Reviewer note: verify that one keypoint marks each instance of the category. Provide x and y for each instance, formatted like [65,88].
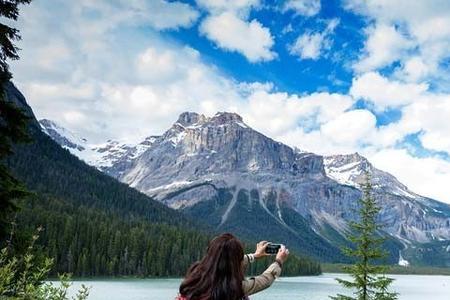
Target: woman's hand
[282,254]
[261,249]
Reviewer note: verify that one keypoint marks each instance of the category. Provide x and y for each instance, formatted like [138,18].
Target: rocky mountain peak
[347,169]
[46,123]
[190,118]
[62,136]
[226,117]
[187,119]
[346,160]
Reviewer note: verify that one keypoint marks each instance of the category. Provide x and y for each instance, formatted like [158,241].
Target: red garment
[184,298]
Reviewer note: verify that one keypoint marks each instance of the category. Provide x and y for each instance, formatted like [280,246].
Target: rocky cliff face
[219,169]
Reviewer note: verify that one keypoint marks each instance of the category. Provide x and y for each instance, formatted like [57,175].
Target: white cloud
[416,69]
[74,118]
[162,14]
[159,14]
[402,25]
[425,176]
[229,27]
[429,116]
[384,45]
[130,110]
[311,45]
[156,64]
[303,7]
[350,127]
[103,65]
[240,7]
[345,131]
[291,110]
[423,112]
[251,39]
[307,46]
[385,93]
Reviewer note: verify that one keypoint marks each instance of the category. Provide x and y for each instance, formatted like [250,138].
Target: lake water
[410,287]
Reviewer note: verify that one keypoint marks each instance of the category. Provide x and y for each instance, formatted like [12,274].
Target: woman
[220,274]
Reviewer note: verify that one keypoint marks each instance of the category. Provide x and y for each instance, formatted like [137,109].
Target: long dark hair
[219,275]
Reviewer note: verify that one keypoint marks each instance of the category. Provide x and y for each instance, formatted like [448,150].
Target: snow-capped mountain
[350,170]
[102,156]
[62,136]
[222,171]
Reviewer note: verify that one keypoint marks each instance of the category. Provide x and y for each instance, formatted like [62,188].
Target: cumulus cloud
[240,7]
[384,45]
[399,26]
[307,46]
[251,39]
[426,176]
[291,111]
[227,25]
[429,116]
[415,69]
[303,7]
[93,70]
[162,14]
[311,45]
[384,93]
[346,131]
[350,127]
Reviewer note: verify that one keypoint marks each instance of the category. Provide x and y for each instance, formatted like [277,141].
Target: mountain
[93,224]
[220,170]
[102,155]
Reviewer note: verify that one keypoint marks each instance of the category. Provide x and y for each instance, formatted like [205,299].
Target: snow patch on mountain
[350,169]
[342,173]
[101,156]
[63,136]
[401,261]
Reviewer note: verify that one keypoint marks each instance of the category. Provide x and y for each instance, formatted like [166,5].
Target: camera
[273,248]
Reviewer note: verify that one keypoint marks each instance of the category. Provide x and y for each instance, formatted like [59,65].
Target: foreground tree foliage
[366,283]
[13,120]
[22,276]
[22,271]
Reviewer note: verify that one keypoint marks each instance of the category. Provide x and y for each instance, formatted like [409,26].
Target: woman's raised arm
[263,281]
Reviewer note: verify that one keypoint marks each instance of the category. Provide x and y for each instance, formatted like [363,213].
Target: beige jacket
[255,284]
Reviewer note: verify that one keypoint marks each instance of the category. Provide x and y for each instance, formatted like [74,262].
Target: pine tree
[13,121]
[366,283]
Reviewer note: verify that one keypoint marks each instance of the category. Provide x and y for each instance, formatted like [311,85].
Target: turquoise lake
[409,287]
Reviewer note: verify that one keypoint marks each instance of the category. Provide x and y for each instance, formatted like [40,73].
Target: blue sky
[325,76]
[289,72]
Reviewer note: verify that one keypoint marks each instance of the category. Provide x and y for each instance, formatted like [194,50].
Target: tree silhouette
[13,121]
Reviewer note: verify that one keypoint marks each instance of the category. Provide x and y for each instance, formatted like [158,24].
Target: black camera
[273,248]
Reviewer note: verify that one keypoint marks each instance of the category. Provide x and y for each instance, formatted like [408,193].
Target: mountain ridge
[95,225]
[199,157]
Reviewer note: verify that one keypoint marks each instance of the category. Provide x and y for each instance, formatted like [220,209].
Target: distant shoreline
[395,270]
[326,269]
